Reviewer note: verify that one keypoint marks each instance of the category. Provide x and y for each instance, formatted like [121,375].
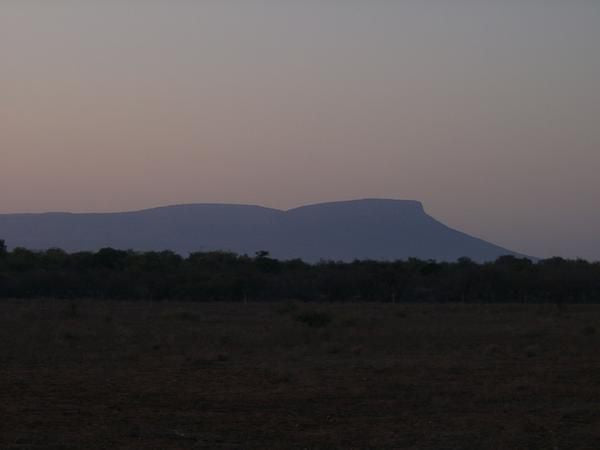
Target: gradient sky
[486,111]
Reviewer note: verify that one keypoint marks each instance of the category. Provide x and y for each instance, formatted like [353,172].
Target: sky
[488,112]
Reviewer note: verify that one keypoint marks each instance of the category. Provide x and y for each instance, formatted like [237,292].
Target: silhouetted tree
[225,276]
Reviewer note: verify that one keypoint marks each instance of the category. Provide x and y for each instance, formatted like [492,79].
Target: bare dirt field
[120,375]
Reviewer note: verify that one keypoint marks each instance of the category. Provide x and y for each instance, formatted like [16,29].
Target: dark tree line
[222,276]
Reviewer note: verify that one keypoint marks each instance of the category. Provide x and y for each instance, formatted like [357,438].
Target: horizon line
[235,204]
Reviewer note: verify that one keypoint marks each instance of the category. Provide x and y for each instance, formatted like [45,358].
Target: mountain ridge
[369,228]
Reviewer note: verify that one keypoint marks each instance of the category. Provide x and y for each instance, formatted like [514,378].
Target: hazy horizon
[486,112]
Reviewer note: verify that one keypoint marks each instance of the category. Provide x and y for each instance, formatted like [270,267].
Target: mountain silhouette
[378,229]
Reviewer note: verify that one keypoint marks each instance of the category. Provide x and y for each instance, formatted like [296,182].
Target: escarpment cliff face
[378,229]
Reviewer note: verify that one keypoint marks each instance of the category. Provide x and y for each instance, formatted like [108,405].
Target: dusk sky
[486,111]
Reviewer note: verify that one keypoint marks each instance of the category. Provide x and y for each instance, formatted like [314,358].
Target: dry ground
[120,375]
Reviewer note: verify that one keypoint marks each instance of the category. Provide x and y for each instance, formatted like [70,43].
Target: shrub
[287,307]
[315,319]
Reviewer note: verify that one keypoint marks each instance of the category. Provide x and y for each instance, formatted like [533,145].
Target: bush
[286,307]
[315,319]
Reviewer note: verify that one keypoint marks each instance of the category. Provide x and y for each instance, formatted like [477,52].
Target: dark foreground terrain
[120,375]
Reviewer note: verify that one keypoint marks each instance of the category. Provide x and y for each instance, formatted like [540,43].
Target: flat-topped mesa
[366,205]
[380,229]
[350,220]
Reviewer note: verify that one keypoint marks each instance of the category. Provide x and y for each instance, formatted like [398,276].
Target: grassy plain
[120,375]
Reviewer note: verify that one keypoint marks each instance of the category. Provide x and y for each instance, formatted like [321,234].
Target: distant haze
[486,111]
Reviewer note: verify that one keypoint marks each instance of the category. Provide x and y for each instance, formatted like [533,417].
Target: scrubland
[162,375]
